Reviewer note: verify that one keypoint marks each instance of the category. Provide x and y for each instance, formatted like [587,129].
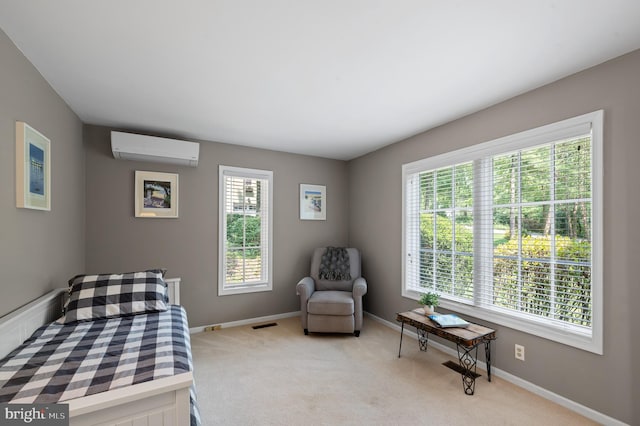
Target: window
[245,230]
[511,231]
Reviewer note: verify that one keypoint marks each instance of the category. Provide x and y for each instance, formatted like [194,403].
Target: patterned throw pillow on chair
[334,265]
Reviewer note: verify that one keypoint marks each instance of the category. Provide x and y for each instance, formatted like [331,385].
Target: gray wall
[188,246]
[39,250]
[605,383]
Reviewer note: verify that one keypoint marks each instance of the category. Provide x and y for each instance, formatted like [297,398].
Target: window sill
[244,288]
[565,335]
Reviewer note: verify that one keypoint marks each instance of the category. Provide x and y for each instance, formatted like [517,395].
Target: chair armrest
[305,288]
[359,287]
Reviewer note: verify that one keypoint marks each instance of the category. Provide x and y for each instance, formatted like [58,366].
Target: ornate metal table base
[423,339]
[468,362]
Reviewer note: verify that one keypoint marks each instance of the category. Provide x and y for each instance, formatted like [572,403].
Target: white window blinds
[245,230]
[541,223]
[441,241]
[510,230]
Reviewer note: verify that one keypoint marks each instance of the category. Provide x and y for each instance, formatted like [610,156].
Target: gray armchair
[332,306]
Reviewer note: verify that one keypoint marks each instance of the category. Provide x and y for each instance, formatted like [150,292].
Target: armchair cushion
[331,303]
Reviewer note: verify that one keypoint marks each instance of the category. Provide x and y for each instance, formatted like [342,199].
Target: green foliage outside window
[444,234]
[244,261]
[540,195]
[456,280]
[531,292]
[243,231]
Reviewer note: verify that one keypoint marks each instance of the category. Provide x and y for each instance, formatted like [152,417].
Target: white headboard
[173,290]
[18,325]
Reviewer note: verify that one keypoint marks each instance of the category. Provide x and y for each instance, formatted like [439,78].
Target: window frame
[225,289]
[566,334]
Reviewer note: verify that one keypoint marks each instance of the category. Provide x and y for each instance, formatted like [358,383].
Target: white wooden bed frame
[160,402]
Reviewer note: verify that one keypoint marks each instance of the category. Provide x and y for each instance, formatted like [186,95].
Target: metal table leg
[468,361]
[401,333]
[487,354]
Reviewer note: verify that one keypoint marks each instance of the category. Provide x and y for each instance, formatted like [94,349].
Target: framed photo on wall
[313,202]
[156,194]
[33,168]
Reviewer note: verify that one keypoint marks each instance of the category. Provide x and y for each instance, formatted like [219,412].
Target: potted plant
[430,301]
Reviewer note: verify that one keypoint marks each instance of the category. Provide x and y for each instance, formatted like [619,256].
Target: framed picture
[156,194]
[33,168]
[313,202]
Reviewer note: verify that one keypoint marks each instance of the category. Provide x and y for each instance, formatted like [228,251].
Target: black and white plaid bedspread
[62,362]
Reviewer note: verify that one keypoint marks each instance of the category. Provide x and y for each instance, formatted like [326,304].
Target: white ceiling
[332,78]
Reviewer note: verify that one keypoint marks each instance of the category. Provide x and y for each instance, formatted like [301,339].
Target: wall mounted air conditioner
[129,146]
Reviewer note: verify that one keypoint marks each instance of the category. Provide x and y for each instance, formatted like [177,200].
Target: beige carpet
[279,376]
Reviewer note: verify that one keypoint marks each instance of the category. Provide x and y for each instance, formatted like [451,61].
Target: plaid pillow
[113,295]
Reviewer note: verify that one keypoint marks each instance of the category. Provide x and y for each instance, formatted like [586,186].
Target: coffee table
[466,339]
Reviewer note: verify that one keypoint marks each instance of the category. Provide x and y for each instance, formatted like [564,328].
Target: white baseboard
[256,320]
[544,393]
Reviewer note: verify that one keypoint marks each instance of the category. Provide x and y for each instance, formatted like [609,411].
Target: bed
[110,368]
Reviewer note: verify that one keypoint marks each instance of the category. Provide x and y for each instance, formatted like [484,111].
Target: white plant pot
[428,310]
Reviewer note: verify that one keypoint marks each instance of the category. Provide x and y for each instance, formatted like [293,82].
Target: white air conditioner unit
[129,146]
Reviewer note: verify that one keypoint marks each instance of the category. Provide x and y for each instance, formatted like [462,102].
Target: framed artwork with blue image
[33,168]
[313,202]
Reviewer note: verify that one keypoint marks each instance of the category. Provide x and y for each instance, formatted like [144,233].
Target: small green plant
[429,299]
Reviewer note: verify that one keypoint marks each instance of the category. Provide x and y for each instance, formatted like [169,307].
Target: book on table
[448,320]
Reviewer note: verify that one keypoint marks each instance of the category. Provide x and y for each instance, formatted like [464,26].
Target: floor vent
[271,324]
[454,366]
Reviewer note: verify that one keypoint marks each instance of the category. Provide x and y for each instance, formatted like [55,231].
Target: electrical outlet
[519,352]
